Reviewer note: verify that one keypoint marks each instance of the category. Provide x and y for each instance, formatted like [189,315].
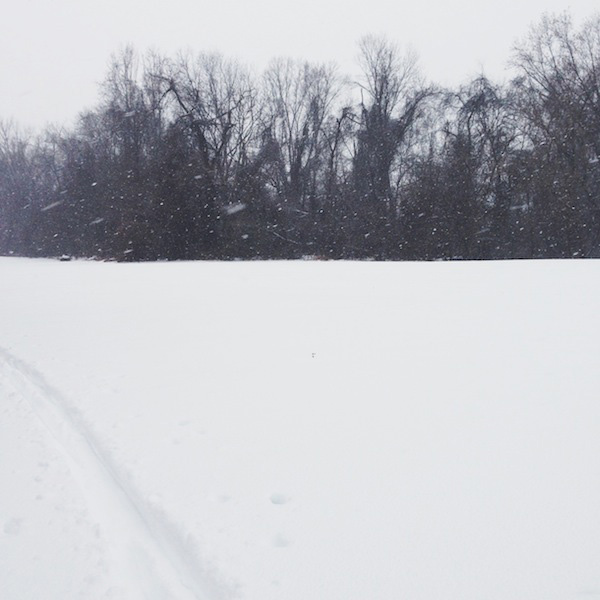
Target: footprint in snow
[13,526]
[279,499]
[280,541]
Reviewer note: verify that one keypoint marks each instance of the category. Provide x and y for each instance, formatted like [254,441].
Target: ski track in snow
[147,549]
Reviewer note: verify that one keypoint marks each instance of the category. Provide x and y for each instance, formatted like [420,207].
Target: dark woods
[193,158]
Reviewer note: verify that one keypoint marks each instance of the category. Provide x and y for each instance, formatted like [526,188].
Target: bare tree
[299,99]
[394,103]
[558,98]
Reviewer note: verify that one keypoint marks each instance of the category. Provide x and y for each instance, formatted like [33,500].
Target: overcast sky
[53,53]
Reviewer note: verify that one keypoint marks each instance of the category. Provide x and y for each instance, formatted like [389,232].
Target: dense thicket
[193,157]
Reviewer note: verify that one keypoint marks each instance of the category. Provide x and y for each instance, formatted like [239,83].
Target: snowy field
[299,431]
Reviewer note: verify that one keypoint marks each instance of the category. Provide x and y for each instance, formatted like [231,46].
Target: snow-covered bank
[299,430]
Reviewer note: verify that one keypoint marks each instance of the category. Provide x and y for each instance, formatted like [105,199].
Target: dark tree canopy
[194,157]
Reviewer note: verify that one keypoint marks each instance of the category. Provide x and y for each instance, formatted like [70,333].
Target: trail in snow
[148,552]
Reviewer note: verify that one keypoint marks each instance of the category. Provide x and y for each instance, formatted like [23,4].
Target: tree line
[194,157]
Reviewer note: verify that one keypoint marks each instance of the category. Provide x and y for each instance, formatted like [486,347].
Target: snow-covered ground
[293,431]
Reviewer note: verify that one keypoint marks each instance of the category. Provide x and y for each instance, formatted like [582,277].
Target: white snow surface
[299,430]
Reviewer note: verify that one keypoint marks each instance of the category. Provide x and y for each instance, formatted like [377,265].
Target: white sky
[53,53]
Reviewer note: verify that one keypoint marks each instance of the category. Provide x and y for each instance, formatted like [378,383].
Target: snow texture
[299,430]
